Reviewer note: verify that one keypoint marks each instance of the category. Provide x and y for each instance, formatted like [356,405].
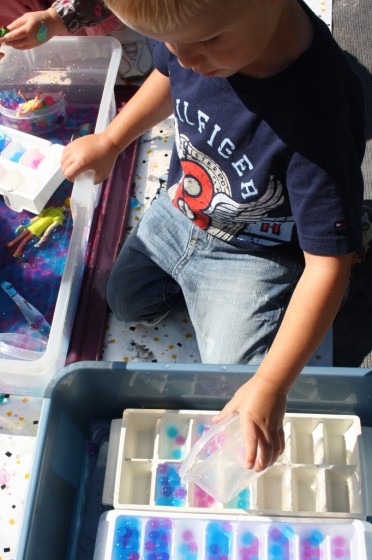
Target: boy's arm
[98,152]
[261,401]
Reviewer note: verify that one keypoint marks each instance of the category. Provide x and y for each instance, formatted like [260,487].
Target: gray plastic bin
[97,392]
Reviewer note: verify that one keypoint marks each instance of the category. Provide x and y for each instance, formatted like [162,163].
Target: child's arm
[98,152]
[261,401]
[23,32]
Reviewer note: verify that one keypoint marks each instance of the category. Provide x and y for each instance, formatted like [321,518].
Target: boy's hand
[261,408]
[94,152]
[23,32]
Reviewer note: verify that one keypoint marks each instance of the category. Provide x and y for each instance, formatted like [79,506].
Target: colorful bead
[42,32]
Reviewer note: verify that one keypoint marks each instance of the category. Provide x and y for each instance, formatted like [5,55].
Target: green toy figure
[40,226]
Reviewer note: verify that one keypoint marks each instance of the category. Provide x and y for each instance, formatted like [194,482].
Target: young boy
[262,209]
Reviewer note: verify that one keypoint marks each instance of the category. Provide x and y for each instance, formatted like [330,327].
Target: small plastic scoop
[216,463]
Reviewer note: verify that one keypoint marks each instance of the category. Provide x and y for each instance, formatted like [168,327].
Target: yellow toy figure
[40,226]
[29,104]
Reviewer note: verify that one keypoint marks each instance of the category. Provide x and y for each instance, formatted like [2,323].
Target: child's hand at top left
[94,152]
[27,31]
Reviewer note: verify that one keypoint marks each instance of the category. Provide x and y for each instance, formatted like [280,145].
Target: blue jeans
[236,299]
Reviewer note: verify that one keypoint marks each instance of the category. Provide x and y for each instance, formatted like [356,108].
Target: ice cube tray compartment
[131,535]
[317,475]
[30,170]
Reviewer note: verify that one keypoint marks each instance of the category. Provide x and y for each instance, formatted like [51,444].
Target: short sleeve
[161,56]
[77,14]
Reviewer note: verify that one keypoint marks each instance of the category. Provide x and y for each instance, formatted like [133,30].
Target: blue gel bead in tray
[4,141]
[218,540]
[172,432]
[241,501]
[14,152]
[127,539]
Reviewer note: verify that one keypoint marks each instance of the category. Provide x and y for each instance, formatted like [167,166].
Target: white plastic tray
[318,475]
[130,535]
[28,183]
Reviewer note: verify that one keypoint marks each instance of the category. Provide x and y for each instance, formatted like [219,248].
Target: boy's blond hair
[159,16]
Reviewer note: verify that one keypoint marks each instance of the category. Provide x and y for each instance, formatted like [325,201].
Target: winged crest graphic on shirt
[204,195]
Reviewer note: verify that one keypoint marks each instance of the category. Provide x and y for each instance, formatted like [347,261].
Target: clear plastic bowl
[20,346]
[41,120]
[216,463]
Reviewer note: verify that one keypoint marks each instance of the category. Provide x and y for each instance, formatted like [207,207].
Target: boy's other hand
[261,408]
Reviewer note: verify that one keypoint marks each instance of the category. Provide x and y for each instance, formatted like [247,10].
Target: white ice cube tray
[30,170]
[318,475]
[133,535]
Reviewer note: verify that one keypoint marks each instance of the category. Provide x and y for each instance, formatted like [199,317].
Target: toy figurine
[29,104]
[40,226]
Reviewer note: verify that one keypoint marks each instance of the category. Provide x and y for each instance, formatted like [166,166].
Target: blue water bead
[6,102]
[16,156]
[316,537]
[247,538]
[172,432]
[288,532]
[167,490]
[134,203]
[177,454]
[174,477]
[200,428]
[183,548]
[4,141]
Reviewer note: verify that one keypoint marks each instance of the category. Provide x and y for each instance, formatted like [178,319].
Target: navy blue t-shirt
[272,161]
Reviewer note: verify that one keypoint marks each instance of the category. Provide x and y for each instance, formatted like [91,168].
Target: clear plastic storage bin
[83,70]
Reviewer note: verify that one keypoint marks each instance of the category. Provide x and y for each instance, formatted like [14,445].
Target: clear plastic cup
[216,462]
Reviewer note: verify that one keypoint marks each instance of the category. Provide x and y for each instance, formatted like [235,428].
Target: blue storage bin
[85,397]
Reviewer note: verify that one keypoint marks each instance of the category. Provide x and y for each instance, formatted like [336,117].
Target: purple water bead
[180,493]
